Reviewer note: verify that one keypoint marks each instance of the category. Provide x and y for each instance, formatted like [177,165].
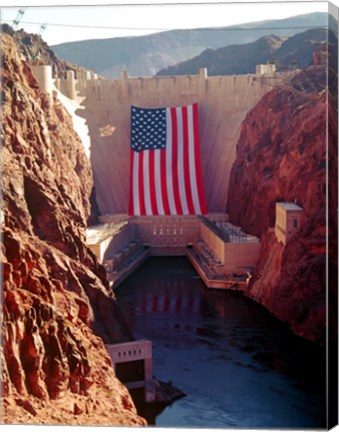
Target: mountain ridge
[146,55]
[243,58]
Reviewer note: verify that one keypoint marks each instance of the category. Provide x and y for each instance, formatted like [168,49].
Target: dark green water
[238,365]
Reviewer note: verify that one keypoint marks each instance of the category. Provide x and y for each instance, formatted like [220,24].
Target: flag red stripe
[152,183]
[188,189]
[131,206]
[141,184]
[163,182]
[197,160]
[176,191]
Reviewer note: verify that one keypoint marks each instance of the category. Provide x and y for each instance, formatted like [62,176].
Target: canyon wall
[56,300]
[223,104]
[282,155]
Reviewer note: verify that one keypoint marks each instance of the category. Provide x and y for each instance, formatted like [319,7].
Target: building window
[295,223]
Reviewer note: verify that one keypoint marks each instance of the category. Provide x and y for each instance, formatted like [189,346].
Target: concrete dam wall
[223,104]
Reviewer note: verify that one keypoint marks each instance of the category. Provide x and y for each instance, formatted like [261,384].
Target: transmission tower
[18,18]
[42,28]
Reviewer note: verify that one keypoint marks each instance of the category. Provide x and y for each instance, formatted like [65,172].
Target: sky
[78,20]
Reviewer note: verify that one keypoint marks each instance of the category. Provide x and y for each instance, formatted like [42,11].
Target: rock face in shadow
[56,300]
[281,156]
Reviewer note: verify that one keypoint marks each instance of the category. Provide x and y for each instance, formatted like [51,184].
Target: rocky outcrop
[35,49]
[56,300]
[281,156]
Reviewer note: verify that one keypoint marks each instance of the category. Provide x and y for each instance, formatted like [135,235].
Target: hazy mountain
[241,59]
[233,59]
[300,48]
[146,55]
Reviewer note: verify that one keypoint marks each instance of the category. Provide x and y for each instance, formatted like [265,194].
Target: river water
[239,366]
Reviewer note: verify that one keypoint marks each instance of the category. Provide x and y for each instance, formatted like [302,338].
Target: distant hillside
[241,59]
[146,55]
[233,59]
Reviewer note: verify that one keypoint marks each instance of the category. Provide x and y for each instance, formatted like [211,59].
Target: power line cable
[90,26]
[229,28]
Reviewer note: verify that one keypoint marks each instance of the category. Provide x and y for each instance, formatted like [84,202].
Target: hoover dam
[223,104]
[216,248]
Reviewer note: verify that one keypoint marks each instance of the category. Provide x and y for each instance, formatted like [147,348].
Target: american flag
[165,172]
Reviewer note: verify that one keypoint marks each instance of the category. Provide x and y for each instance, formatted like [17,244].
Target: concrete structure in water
[108,239]
[288,219]
[236,250]
[132,362]
[222,254]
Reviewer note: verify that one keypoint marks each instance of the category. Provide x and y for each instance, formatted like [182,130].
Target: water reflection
[238,366]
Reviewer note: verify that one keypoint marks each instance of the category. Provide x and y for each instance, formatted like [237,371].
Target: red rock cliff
[281,156]
[56,300]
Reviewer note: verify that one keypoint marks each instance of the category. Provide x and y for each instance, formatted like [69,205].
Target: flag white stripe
[193,175]
[169,177]
[146,175]
[158,177]
[181,167]
[135,184]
